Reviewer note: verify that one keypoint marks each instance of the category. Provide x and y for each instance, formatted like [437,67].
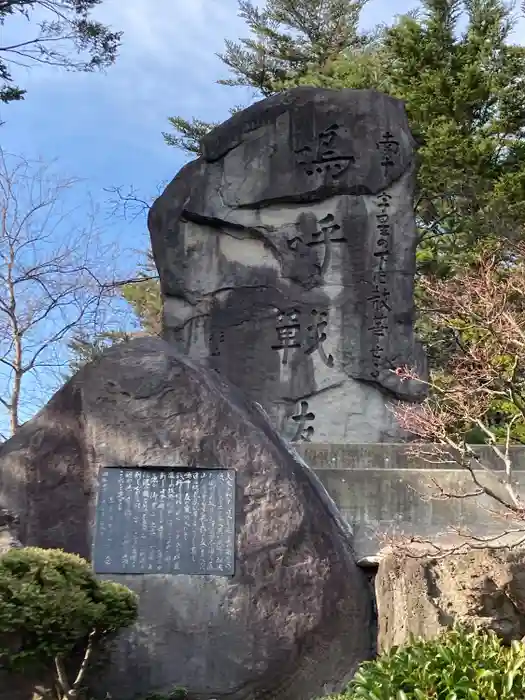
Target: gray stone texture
[294,620]
[388,493]
[423,595]
[287,254]
[9,535]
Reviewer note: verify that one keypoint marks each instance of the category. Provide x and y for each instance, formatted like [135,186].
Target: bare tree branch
[63,35]
[481,389]
[56,279]
[129,204]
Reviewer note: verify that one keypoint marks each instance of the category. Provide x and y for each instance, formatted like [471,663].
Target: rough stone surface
[424,595]
[295,618]
[9,531]
[394,492]
[287,253]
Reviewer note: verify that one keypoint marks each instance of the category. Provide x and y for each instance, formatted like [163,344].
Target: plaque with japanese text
[165,521]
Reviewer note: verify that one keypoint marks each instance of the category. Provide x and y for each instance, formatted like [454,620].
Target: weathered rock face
[297,614]
[423,595]
[9,523]
[286,256]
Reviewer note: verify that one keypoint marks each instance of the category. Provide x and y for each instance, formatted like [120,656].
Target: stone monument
[286,256]
[245,570]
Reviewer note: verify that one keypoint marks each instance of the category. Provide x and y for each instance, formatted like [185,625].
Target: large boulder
[297,616]
[421,595]
[286,256]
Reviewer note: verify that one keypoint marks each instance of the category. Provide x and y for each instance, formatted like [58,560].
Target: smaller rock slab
[423,595]
[295,619]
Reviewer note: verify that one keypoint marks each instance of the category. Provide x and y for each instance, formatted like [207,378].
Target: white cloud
[167,66]
[169,55]
[167,59]
[168,63]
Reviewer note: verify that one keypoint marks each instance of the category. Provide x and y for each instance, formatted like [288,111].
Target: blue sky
[107,128]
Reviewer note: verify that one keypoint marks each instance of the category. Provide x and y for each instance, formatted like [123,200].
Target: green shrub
[457,665]
[51,605]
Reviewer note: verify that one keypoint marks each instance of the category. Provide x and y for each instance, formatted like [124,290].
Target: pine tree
[144,297]
[463,84]
[465,98]
[66,36]
[85,348]
[288,40]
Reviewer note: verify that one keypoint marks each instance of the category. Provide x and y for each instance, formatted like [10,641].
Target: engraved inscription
[316,336]
[216,340]
[288,329]
[311,233]
[380,294]
[303,432]
[152,521]
[105,523]
[308,336]
[388,148]
[324,157]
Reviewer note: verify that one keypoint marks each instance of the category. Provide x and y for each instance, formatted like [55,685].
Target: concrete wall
[384,492]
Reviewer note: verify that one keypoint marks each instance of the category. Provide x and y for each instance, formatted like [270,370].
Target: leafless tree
[480,393]
[56,279]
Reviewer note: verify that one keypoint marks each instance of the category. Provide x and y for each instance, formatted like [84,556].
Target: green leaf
[459,664]
[52,601]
